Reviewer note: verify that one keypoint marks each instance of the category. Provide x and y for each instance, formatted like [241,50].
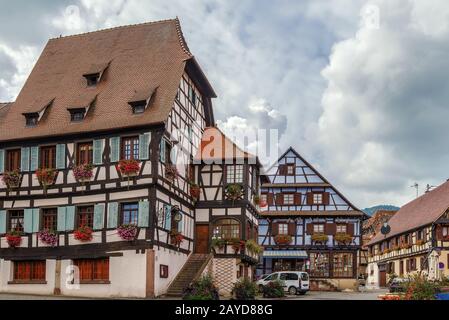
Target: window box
[127,232]
[12,179]
[386,251]
[405,246]
[83,234]
[83,173]
[320,238]
[129,168]
[46,177]
[283,239]
[343,238]
[48,237]
[218,243]
[14,239]
[171,172]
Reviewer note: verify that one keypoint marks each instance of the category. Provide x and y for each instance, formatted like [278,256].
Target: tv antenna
[416,186]
[429,187]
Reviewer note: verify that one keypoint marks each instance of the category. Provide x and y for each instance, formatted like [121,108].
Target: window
[13,160]
[130,148]
[319,265]
[420,235]
[290,170]
[93,270]
[342,228]
[317,198]
[29,270]
[130,213]
[272,277]
[289,276]
[77,115]
[227,229]
[49,219]
[289,199]
[445,231]
[85,217]
[192,95]
[85,153]
[343,265]
[48,157]
[318,228]
[92,79]
[139,108]
[31,120]
[283,228]
[16,221]
[234,174]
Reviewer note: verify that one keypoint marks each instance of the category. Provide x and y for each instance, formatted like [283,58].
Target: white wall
[174,260]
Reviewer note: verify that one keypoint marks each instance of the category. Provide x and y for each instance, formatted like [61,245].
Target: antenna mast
[416,186]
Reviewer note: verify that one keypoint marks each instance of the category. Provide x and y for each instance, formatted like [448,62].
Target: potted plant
[238,245]
[83,234]
[83,173]
[253,247]
[218,243]
[48,237]
[195,191]
[171,172]
[320,238]
[283,239]
[129,168]
[202,289]
[234,192]
[14,239]
[11,179]
[176,238]
[343,238]
[46,177]
[244,289]
[127,232]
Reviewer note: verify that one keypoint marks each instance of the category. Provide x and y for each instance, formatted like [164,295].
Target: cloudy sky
[359,88]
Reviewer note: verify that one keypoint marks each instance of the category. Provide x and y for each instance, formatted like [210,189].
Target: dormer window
[77,115]
[92,79]
[80,106]
[141,99]
[31,120]
[94,74]
[36,111]
[139,108]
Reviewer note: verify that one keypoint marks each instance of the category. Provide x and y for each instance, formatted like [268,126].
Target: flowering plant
[405,246]
[234,192]
[176,237]
[343,238]
[14,239]
[83,234]
[11,179]
[195,191]
[46,177]
[253,247]
[129,167]
[420,242]
[320,237]
[83,172]
[127,232]
[283,239]
[48,237]
[238,245]
[171,172]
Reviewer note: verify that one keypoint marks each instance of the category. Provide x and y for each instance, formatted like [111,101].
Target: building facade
[306,224]
[417,241]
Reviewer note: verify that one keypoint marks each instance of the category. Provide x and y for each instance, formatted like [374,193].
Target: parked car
[398,284]
[296,282]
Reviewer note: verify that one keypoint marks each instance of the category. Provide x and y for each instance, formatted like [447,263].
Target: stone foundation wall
[224,272]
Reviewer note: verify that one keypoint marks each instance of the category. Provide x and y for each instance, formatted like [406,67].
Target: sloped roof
[419,212]
[138,57]
[314,213]
[378,218]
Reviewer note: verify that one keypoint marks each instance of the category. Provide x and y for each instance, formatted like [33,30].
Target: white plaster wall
[174,260]
[373,276]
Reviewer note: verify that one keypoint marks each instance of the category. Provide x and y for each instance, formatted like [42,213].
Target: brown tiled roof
[419,212]
[315,213]
[141,56]
[378,218]
[296,185]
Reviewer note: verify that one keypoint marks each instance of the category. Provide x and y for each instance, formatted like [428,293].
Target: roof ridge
[182,40]
[115,28]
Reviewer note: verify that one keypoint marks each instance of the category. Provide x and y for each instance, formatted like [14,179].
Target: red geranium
[14,239]
[129,167]
[83,234]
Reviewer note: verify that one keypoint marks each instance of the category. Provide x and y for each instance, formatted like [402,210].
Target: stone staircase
[191,269]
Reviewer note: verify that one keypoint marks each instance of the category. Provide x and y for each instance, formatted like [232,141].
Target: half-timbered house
[95,158]
[417,241]
[306,224]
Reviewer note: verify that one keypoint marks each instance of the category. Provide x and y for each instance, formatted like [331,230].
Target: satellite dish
[385,229]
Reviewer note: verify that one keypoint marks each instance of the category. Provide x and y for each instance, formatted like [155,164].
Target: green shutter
[98,152]
[114,144]
[2,160]
[25,160]
[99,217]
[36,220]
[61,218]
[144,146]
[70,218]
[162,150]
[181,224]
[112,215]
[167,209]
[174,153]
[34,159]
[28,221]
[144,214]
[2,221]
[60,156]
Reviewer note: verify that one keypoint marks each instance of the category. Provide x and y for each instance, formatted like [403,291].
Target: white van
[296,282]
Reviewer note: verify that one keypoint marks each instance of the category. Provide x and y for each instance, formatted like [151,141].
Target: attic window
[77,115]
[140,100]
[31,120]
[139,108]
[94,74]
[92,79]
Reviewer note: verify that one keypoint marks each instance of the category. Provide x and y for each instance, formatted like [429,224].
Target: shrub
[274,289]
[244,289]
[202,289]
[419,288]
[253,247]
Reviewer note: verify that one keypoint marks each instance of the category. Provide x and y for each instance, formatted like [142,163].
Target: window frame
[290,197]
[89,214]
[134,146]
[81,158]
[16,162]
[22,218]
[235,173]
[230,230]
[340,225]
[50,158]
[90,275]
[35,271]
[321,197]
[46,214]
[283,228]
[323,225]
[292,167]
[122,212]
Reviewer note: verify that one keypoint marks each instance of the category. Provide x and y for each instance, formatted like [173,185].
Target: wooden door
[202,239]
[382,279]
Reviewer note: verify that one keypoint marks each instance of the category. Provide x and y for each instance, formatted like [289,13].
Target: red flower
[83,234]
[129,167]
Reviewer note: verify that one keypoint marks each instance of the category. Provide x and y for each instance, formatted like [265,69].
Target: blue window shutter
[2,160]
[61,218]
[34,159]
[28,221]
[25,160]
[144,146]
[99,217]
[144,214]
[112,215]
[167,217]
[114,143]
[162,150]
[181,225]
[70,218]
[36,220]
[2,221]
[98,152]
[60,156]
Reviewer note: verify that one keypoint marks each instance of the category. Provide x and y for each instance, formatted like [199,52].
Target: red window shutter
[309,228]
[297,199]
[279,199]
[274,229]
[326,200]
[270,199]
[350,229]
[330,229]
[310,198]
[292,229]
